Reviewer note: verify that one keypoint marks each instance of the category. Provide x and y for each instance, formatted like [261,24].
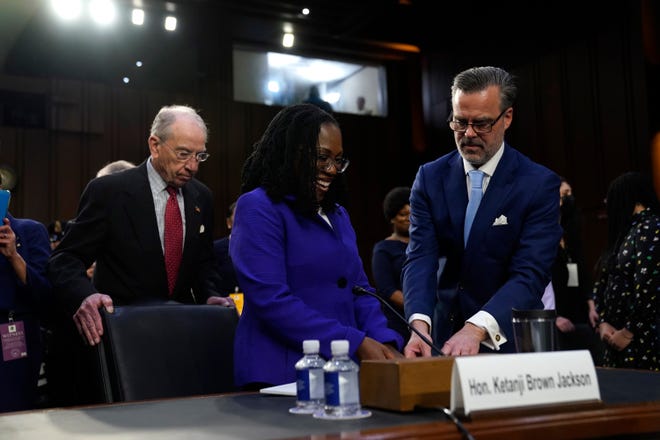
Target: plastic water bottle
[309,380]
[342,386]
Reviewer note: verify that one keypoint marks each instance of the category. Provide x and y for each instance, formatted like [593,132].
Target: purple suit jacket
[297,275]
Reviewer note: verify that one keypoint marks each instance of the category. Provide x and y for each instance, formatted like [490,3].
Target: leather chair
[166,350]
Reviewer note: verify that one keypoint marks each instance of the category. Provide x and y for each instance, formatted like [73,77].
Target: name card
[496,381]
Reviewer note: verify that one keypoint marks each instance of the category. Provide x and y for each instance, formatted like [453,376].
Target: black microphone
[357,290]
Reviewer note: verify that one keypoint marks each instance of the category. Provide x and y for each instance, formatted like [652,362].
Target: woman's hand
[564,325]
[620,339]
[370,349]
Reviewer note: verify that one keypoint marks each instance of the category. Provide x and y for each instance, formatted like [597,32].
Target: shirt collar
[156,182]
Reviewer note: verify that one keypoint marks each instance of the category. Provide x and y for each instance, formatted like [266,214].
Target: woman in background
[25,294]
[626,293]
[295,254]
[389,254]
[571,283]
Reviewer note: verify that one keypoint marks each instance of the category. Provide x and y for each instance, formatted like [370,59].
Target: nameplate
[496,381]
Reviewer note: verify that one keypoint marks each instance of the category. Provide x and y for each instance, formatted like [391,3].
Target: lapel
[499,186]
[193,213]
[17,227]
[140,211]
[456,193]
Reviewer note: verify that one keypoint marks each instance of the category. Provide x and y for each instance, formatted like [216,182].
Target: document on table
[287,389]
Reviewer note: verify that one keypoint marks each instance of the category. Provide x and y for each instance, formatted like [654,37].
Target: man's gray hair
[168,114]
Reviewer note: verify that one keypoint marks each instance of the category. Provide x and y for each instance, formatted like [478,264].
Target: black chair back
[167,350]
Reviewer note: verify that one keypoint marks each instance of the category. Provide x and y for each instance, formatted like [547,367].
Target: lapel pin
[201,229]
[197,210]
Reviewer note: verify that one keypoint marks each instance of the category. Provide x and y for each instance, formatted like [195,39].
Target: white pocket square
[501,220]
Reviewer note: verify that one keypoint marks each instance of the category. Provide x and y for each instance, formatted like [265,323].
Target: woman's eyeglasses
[325,162]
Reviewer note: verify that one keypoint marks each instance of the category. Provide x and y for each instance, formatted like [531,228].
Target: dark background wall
[588,102]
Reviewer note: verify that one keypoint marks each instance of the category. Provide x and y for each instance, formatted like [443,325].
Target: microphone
[357,290]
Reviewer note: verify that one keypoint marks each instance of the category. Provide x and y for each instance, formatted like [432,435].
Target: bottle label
[342,388]
[309,384]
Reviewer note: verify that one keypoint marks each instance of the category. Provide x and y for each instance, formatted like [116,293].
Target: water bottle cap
[311,346]
[339,347]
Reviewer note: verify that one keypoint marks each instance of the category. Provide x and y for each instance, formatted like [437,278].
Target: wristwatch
[9,177]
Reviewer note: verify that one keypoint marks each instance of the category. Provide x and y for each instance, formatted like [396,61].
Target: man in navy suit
[120,225]
[504,261]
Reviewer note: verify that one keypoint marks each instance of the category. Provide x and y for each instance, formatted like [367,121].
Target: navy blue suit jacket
[506,263]
[33,245]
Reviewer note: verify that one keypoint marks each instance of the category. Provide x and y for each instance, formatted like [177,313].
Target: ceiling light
[137,17]
[287,40]
[67,9]
[170,23]
[103,12]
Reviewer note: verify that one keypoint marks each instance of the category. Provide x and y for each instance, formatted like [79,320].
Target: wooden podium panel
[402,384]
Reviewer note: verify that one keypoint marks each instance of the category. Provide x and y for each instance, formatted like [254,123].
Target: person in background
[389,254]
[221,251]
[314,97]
[110,168]
[115,167]
[56,232]
[627,290]
[57,228]
[25,297]
[504,260]
[121,224]
[361,103]
[295,254]
[571,282]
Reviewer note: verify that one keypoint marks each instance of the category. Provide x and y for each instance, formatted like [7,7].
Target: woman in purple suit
[295,254]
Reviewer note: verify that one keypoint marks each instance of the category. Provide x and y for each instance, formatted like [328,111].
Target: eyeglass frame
[200,157]
[340,164]
[485,124]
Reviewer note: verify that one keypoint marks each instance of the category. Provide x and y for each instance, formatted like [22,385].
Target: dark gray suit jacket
[116,227]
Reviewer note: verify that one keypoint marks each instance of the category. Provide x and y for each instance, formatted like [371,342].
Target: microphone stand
[357,290]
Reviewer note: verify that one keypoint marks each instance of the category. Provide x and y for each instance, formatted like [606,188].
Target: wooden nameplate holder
[403,384]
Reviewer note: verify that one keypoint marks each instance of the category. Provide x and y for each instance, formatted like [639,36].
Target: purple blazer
[297,275]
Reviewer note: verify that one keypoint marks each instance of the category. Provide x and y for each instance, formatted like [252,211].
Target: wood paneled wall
[583,111]
[583,108]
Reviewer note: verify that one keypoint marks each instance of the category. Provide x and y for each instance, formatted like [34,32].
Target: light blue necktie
[476,192]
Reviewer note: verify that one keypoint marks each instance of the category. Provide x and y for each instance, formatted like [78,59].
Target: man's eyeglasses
[340,164]
[185,155]
[480,127]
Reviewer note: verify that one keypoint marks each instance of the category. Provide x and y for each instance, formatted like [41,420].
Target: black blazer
[116,227]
